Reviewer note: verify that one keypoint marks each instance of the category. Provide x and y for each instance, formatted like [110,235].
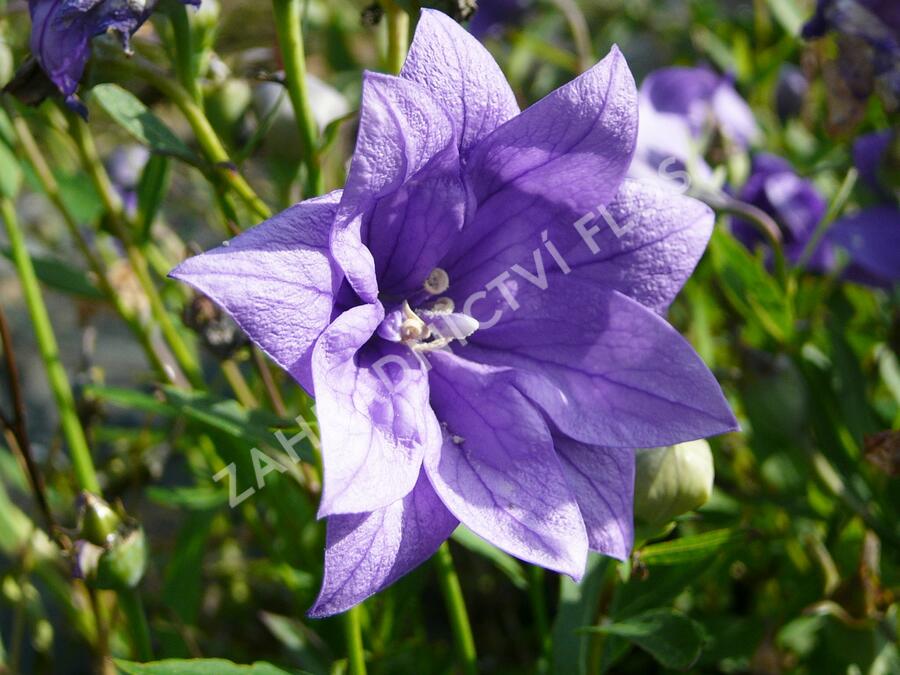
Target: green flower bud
[97,522]
[671,481]
[226,105]
[124,563]
[7,67]
[118,565]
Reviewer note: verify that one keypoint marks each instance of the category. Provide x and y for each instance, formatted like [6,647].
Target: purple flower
[125,165]
[873,24]
[792,201]
[679,108]
[706,100]
[790,92]
[492,16]
[62,31]
[870,152]
[478,315]
[871,236]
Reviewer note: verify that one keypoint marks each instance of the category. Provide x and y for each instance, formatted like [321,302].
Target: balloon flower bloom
[479,316]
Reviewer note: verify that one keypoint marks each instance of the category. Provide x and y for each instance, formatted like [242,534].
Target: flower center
[434,325]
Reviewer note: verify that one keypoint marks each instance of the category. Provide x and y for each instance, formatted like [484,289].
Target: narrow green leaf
[689,549]
[577,607]
[506,564]
[197,667]
[131,400]
[183,585]
[135,118]
[151,191]
[670,637]
[10,173]
[789,14]
[749,287]
[197,498]
[61,276]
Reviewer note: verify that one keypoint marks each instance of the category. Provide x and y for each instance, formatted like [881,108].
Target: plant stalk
[398,35]
[82,462]
[456,607]
[289,26]
[356,656]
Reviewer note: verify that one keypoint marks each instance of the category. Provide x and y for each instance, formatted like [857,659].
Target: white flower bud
[671,481]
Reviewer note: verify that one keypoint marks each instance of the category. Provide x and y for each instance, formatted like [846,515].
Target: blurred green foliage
[792,567]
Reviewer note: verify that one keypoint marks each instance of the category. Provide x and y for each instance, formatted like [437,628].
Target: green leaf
[789,14]
[61,276]
[197,667]
[689,549]
[197,498]
[506,564]
[577,606]
[749,287]
[183,586]
[131,400]
[151,191]
[299,639]
[135,118]
[10,173]
[670,637]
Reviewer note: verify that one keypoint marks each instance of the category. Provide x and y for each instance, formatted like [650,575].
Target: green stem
[26,144]
[139,265]
[133,607]
[184,50]
[759,219]
[456,607]
[209,142]
[238,384]
[356,657]
[539,607]
[834,210]
[398,35]
[288,24]
[49,350]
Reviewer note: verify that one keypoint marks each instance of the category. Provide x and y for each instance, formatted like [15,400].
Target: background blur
[802,571]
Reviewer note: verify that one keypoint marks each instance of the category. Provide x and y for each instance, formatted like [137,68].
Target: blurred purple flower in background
[870,236]
[492,16]
[706,100]
[794,203]
[872,23]
[790,92]
[125,165]
[679,109]
[62,30]
[479,317]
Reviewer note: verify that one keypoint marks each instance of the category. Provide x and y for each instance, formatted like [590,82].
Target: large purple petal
[403,189]
[545,168]
[497,470]
[646,244]
[872,238]
[462,74]
[367,552]
[277,282]
[375,421]
[607,370]
[603,482]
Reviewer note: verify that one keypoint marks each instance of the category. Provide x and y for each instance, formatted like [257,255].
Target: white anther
[437,282]
[443,305]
